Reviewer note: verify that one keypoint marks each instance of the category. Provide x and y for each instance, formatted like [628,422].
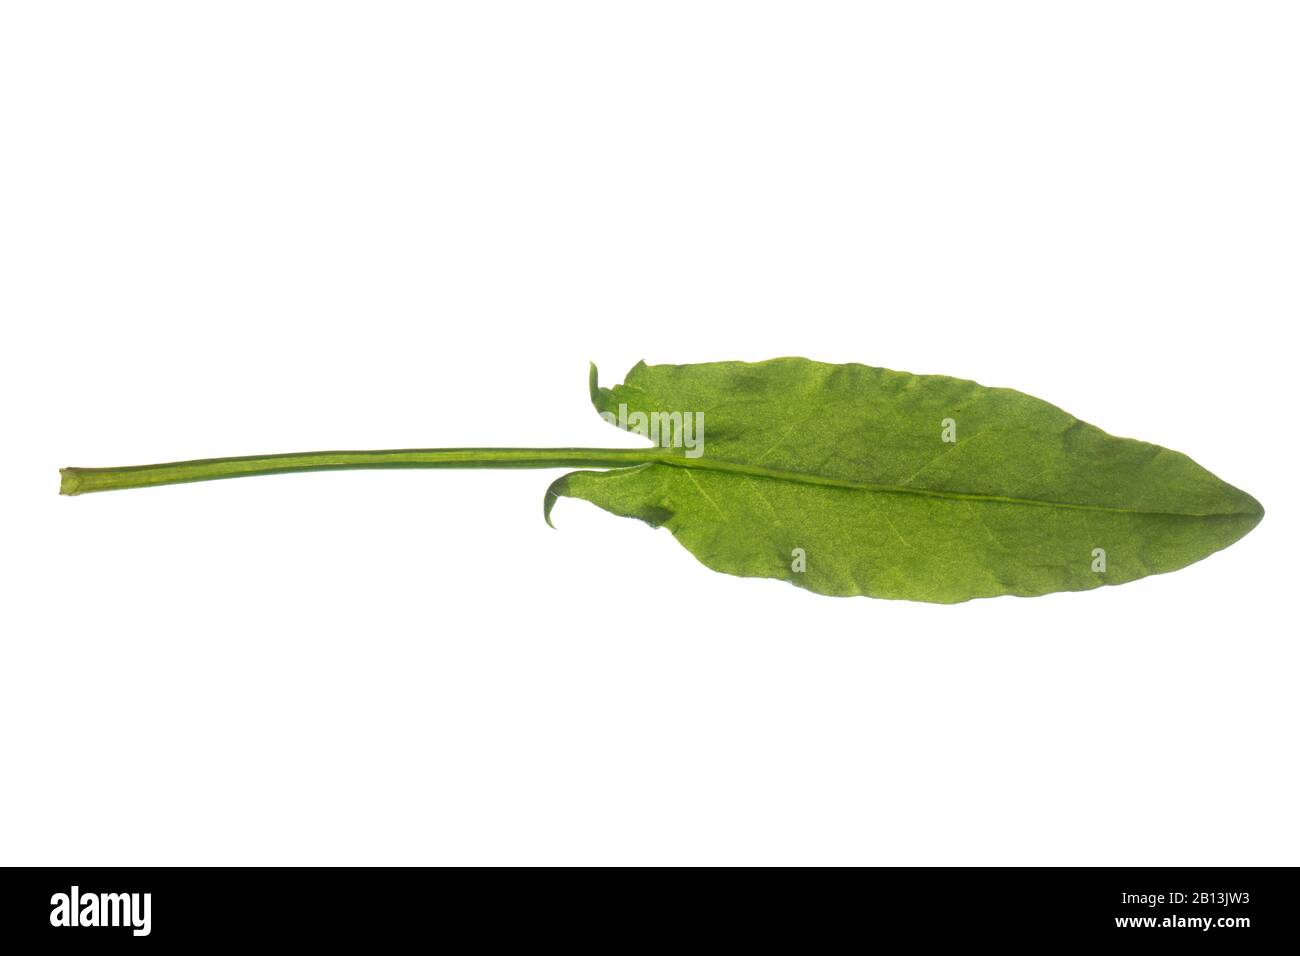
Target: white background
[252,227]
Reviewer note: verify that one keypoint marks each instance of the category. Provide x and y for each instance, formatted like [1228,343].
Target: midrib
[811,478]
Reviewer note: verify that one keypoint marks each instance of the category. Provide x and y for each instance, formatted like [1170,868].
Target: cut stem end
[69,481]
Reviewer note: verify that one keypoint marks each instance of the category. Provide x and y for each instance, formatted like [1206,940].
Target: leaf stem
[80,481]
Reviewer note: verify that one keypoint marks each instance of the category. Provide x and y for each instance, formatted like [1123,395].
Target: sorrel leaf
[848,480]
[837,478]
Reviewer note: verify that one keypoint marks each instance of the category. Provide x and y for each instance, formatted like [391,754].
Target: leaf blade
[847,463]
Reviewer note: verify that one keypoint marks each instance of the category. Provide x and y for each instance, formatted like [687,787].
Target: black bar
[372,907]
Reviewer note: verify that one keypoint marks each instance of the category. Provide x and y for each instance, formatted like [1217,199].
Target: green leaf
[846,479]
[848,466]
